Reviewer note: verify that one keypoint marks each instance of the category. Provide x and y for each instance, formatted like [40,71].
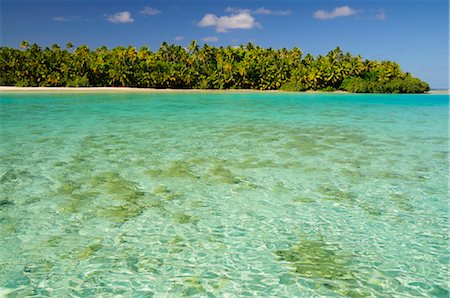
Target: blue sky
[413,33]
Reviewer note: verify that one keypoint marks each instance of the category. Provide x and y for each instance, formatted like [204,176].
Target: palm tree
[172,66]
[24,44]
[193,47]
[69,46]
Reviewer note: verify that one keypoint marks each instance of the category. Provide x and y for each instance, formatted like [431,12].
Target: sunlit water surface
[222,194]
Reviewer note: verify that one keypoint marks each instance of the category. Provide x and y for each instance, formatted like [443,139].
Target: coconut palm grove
[173,66]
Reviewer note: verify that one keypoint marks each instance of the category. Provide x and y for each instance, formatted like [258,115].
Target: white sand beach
[438,91]
[120,90]
[152,90]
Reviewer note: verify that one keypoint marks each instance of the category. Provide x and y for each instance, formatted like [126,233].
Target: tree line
[172,66]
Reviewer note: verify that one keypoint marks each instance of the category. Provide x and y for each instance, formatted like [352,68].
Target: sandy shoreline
[139,90]
[122,90]
[440,91]
[153,90]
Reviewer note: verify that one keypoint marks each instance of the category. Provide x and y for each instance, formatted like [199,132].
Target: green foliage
[328,89]
[78,82]
[372,84]
[172,66]
[293,86]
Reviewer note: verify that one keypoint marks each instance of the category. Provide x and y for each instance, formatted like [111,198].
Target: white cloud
[66,18]
[150,11]
[241,20]
[380,15]
[343,11]
[236,10]
[179,38]
[210,39]
[61,19]
[121,17]
[266,11]
[261,11]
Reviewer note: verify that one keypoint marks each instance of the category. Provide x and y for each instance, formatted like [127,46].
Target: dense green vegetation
[172,66]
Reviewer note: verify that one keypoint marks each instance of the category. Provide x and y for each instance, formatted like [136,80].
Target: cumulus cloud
[150,11]
[210,39]
[122,17]
[343,11]
[179,38]
[261,11]
[241,20]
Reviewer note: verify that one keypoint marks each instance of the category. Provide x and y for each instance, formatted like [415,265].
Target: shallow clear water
[226,194]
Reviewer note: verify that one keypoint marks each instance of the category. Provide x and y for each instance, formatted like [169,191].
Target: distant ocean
[224,194]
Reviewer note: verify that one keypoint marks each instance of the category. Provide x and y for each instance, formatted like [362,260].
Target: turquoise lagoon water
[224,195]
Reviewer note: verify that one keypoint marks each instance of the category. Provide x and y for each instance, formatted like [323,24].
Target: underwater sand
[217,194]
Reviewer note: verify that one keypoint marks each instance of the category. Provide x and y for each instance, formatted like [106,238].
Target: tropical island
[173,66]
